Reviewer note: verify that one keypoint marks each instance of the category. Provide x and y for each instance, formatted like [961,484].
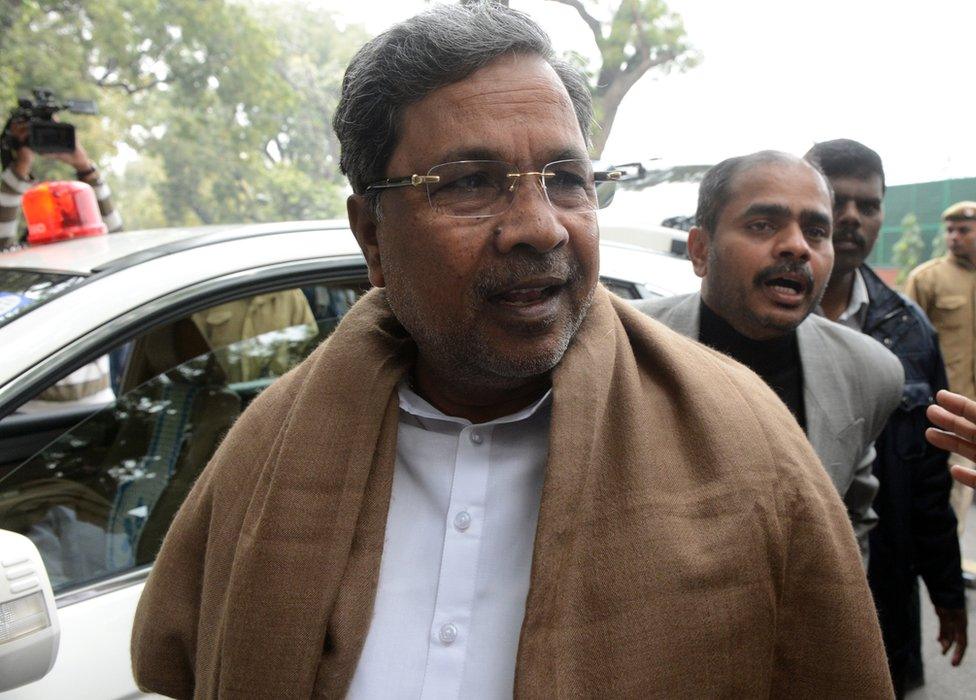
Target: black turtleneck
[777,361]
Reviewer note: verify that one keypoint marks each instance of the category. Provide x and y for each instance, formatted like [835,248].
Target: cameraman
[88,385]
[16,179]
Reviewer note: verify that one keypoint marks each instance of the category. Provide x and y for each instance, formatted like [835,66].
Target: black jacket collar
[883,301]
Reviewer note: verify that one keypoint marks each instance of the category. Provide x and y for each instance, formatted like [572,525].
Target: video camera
[44,135]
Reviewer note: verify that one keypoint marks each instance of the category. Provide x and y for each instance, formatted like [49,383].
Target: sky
[897,76]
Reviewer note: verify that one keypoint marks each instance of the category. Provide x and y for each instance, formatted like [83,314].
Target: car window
[98,498]
[23,290]
[624,290]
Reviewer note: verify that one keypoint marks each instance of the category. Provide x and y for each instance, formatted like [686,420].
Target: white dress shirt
[857,308]
[457,554]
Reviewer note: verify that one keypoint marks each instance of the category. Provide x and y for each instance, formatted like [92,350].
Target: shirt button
[448,634]
[462,521]
[476,438]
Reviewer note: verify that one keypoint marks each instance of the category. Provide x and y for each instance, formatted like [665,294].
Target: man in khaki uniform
[225,326]
[945,288]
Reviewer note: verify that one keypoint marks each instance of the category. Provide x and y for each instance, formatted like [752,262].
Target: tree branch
[128,87]
[109,69]
[590,20]
[202,213]
[646,62]
[643,50]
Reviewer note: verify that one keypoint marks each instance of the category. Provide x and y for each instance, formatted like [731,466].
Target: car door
[95,487]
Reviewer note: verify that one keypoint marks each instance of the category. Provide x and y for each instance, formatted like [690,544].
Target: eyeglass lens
[485,187]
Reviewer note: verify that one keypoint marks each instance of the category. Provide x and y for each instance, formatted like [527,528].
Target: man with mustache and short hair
[495,478]
[762,248]
[916,533]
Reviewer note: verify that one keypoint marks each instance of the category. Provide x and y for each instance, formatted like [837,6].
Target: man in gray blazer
[762,246]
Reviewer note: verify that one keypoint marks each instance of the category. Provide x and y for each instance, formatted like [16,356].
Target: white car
[190,325]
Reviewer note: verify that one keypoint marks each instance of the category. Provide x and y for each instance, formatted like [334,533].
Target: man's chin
[529,348]
[523,360]
[786,320]
[774,321]
[846,262]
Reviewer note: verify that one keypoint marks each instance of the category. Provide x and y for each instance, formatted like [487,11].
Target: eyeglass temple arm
[408,181]
[601,175]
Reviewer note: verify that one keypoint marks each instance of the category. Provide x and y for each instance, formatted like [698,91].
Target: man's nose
[847,213]
[791,242]
[530,221]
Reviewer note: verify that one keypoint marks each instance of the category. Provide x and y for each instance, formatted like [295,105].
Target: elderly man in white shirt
[494,477]
[439,576]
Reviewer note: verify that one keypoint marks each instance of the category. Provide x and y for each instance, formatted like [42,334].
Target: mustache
[848,235]
[558,263]
[793,267]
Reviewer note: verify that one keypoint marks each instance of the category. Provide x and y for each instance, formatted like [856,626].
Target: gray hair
[438,47]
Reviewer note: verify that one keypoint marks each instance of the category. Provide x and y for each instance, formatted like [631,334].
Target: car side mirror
[29,629]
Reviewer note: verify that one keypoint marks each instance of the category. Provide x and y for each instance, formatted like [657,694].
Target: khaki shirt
[225,327]
[945,288]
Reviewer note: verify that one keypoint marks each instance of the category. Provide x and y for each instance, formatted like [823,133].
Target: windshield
[23,290]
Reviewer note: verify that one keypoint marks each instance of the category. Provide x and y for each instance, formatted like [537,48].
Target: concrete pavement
[942,681]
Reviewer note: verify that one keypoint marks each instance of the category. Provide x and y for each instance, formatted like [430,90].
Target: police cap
[960,211]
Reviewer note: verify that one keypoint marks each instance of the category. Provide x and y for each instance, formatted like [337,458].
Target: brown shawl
[689,542]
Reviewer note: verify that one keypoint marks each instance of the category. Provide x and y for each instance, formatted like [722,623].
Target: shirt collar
[857,307]
[413,404]
[962,262]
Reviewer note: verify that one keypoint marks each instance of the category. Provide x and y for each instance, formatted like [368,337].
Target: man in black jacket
[916,535]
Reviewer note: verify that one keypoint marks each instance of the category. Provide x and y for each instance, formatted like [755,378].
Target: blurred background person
[916,532]
[90,384]
[945,289]
[16,179]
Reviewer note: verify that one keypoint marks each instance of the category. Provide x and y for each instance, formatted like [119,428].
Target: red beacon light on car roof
[59,211]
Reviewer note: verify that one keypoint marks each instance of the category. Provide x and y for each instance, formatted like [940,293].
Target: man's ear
[362,221]
[698,243]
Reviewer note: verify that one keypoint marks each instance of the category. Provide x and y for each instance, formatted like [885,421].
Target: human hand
[23,156]
[955,415]
[963,475]
[952,630]
[77,159]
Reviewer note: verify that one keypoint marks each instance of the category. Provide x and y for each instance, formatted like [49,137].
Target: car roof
[84,256]
[668,274]
[95,256]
